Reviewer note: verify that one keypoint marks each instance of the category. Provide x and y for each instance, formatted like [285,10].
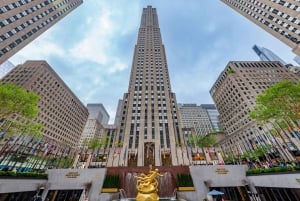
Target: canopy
[215,192]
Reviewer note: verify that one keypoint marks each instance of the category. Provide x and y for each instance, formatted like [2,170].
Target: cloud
[99,42]
[41,49]
[95,42]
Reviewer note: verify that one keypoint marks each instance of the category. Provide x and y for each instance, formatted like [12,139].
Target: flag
[35,146]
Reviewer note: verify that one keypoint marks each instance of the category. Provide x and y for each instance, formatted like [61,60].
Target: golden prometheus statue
[147,186]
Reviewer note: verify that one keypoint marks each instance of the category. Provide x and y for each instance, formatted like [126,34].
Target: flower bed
[32,175]
[288,169]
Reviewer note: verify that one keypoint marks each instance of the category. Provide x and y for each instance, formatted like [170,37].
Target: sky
[91,49]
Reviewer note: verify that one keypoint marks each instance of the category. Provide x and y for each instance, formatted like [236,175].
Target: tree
[205,140]
[279,105]
[202,141]
[93,144]
[279,101]
[19,107]
[16,100]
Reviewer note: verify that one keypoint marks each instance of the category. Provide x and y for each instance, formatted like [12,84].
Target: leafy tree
[94,144]
[19,107]
[279,101]
[14,100]
[205,140]
[202,140]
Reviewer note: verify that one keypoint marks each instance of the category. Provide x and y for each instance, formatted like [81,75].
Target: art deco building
[234,94]
[213,116]
[98,111]
[278,17]
[149,131]
[266,55]
[61,112]
[195,118]
[94,127]
[23,21]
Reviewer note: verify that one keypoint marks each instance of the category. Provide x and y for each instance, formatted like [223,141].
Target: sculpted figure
[147,185]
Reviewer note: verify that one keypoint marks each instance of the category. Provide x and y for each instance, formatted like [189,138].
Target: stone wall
[77,179]
[216,176]
[278,180]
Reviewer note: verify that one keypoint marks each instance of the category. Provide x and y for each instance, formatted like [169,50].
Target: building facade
[94,127]
[98,111]
[266,55]
[61,112]
[118,112]
[213,115]
[234,94]
[23,21]
[278,17]
[149,129]
[195,118]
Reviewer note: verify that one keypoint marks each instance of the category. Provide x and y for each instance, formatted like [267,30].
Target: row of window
[14,5]
[259,13]
[33,31]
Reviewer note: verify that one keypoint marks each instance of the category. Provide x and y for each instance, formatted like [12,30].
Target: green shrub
[273,170]
[111,181]
[184,180]
[297,167]
[23,174]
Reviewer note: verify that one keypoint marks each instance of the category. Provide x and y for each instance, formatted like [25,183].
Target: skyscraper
[61,112]
[234,94]
[94,127]
[278,17]
[149,131]
[195,118]
[266,54]
[98,111]
[23,21]
[213,115]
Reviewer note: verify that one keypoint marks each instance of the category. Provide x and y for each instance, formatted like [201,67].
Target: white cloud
[117,66]
[41,49]
[95,42]
[99,41]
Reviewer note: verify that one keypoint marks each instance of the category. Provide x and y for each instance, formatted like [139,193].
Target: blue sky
[92,48]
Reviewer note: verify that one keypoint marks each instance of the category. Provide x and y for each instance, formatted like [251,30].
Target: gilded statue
[147,185]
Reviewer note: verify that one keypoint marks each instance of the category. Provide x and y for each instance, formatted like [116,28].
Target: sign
[72,174]
[221,171]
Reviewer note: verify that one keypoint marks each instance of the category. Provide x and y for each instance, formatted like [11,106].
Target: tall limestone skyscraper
[22,21]
[149,131]
[278,17]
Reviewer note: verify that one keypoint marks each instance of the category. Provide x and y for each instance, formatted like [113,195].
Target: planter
[109,190]
[186,188]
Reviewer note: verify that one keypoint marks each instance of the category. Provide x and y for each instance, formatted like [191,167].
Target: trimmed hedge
[184,180]
[111,181]
[34,175]
[272,170]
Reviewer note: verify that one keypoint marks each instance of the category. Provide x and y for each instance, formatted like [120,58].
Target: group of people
[268,164]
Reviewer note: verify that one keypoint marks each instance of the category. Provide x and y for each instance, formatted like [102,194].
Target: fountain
[147,185]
